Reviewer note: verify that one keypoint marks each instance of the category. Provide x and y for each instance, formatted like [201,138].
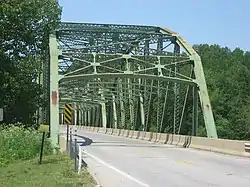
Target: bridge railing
[232,147]
[74,149]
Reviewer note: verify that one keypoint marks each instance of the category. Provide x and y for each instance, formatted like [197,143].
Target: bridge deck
[119,161]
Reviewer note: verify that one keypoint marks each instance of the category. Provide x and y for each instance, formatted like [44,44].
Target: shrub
[19,143]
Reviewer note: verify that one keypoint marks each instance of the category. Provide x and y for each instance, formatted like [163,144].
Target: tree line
[228,78]
[24,28]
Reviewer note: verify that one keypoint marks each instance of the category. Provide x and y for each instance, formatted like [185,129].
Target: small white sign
[1,114]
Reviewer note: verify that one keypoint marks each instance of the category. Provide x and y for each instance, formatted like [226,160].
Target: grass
[55,171]
[19,156]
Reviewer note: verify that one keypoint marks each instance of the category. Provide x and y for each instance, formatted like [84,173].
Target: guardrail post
[67,138]
[75,150]
[70,141]
[79,159]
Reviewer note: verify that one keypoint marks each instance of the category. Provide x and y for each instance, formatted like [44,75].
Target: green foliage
[228,78]
[25,26]
[19,143]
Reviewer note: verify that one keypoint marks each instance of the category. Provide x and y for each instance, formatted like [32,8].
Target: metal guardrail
[74,149]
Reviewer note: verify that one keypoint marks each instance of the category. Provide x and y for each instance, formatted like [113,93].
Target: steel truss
[126,76]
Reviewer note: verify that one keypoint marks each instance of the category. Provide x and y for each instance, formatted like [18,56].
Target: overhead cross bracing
[135,77]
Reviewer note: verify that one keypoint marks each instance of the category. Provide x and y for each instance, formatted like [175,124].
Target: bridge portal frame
[127,51]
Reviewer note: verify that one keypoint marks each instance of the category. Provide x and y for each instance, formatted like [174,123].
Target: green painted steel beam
[54,99]
[129,75]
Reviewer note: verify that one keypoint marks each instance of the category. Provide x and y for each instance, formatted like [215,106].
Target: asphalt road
[118,161]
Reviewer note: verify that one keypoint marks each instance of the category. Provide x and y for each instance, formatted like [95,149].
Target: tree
[228,78]
[24,27]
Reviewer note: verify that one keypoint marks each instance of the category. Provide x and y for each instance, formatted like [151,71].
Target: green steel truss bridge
[143,78]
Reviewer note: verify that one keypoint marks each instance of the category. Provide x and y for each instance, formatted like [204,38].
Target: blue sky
[223,22]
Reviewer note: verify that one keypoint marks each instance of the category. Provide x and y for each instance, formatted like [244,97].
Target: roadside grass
[19,157]
[55,171]
[20,143]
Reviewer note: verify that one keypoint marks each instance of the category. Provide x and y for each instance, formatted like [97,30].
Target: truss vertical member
[89,116]
[104,111]
[85,117]
[141,106]
[104,115]
[97,116]
[80,115]
[142,114]
[177,94]
[54,97]
[195,112]
[122,110]
[114,112]
[131,104]
[75,114]
[93,116]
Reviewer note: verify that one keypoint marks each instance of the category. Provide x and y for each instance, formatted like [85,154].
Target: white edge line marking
[115,169]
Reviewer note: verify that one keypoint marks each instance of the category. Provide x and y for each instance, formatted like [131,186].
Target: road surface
[119,161]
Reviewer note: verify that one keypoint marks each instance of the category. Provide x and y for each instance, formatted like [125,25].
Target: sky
[223,22]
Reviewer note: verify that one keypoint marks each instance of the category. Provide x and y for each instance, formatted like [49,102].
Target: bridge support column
[85,117]
[121,105]
[92,116]
[97,116]
[89,117]
[104,115]
[79,116]
[82,116]
[131,104]
[195,112]
[75,114]
[142,114]
[114,112]
[54,97]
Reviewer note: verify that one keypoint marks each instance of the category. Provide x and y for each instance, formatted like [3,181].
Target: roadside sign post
[44,129]
[1,114]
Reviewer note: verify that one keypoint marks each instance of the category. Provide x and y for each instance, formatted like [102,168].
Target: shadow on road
[87,141]
[141,145]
